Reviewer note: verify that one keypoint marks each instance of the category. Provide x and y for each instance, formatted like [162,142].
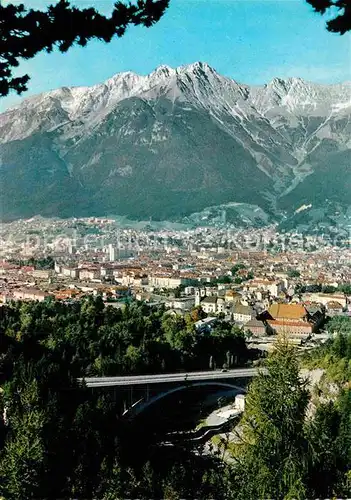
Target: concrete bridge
[139,392]
[166,378]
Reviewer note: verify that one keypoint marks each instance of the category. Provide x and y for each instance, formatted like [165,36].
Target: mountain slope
[171,143]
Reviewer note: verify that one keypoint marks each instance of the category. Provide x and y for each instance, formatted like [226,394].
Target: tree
[224,280]
[340,9]
[22,459]
[345,288]
[24,33]
[293,273]
[237,268]
[197,313]
[329,440]
[270,460]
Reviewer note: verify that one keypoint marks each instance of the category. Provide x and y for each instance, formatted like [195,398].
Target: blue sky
[251,41]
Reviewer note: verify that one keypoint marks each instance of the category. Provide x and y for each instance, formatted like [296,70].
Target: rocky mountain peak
[174,141]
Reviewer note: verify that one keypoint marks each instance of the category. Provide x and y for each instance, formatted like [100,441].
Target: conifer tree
[340,9]
[24,33]
[22,461]
[270,460]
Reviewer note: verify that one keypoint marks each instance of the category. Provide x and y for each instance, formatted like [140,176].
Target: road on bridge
[171,377]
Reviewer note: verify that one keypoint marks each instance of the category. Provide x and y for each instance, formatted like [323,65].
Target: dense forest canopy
[101,341]
[59,439]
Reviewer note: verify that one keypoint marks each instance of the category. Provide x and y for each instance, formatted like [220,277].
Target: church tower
[197,297]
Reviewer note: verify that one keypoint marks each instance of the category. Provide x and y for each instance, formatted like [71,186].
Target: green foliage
[44,263]
[339,324]
[328,289]
[22,459]
[224,280]
[329,434]
[293,273]
[285,452]
[64,441]
[345,288]
[237,268]
[96,340]
[271,459]
[335,355]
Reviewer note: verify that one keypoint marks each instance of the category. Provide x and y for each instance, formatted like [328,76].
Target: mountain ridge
[183,131]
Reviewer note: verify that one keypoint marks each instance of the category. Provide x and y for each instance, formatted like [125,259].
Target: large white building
[181,304]
[273,287]
[30,294]
[243,314]
[166,281]
[213,305]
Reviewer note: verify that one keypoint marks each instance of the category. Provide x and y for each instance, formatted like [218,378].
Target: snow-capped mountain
[173,142]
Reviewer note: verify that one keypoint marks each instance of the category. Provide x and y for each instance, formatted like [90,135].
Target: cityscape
[264,282]
[175,250]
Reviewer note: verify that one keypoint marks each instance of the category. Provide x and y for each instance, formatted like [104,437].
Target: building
[58,268]
[106,272]
[240,402]
[334,308]
[288,312]
[71,272]
[89,274]
[325,298]
[209,305]
[30,294]
[256,327]
[272,286]
[232,296]
[221,305]
[112,253]
[42,273]
[181,304]
[291,327]
[166,281]
[294,319]
[116,253]
[243,314]
[68,294]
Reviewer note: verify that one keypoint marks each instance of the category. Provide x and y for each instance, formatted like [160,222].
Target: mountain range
[176,142]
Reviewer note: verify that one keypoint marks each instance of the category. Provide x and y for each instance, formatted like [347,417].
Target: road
[170,377]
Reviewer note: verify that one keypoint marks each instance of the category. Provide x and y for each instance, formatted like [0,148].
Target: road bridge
[166,378]
[139,392]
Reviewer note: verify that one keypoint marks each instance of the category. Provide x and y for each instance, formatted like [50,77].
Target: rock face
[174,142]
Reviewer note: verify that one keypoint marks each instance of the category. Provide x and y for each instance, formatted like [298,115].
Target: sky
[251,41]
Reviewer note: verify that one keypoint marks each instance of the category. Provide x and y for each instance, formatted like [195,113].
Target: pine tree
[328,466]
[24,33]
[341,9]
[270,459]
[22,461]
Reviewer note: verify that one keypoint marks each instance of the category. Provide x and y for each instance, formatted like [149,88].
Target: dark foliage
[60,440]
[341,22]
[24,33]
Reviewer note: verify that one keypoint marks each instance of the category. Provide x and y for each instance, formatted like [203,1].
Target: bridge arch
[142,404]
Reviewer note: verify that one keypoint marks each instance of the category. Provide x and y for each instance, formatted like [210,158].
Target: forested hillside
[59,439]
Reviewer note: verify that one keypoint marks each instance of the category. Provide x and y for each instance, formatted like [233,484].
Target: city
[262,281]
[175,250]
